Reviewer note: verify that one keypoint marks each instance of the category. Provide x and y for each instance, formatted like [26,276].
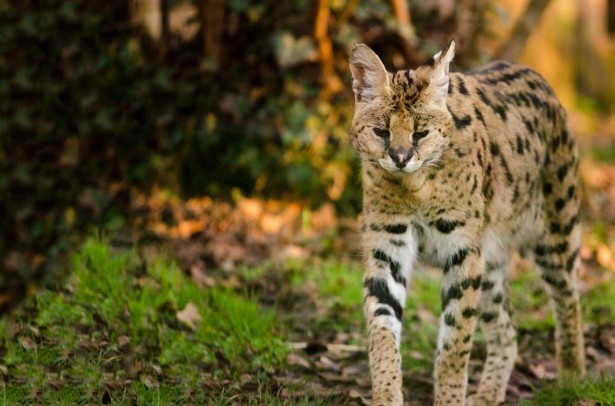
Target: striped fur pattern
[459,170]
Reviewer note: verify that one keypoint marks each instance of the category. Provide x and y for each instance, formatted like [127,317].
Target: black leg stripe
[394,266]
[379,289]
[381,311]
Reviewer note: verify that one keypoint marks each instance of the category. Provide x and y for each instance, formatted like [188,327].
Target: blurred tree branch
[348,11]
[405,34]
[329,80]
[404,23]
[522,30]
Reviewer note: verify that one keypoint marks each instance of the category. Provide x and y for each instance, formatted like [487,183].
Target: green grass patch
[338,291]
[114,335]
[598,303]
[531,309]
[420,330]
[599,391]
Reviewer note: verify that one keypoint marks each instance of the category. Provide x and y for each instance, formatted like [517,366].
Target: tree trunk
[212,17]
[148,13]
[404,22]
[522,30]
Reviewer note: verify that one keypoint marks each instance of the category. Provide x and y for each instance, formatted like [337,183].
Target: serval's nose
[400,156]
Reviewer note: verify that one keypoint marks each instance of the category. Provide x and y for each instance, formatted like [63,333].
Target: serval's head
[401,120]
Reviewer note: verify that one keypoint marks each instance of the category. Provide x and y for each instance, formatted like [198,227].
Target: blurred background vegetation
[104,104]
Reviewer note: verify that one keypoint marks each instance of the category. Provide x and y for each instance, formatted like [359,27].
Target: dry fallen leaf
[294,359]
[541,372]
[189,316]
[123,340]
[149,381]
[357,396]
[27,343]
[325,362]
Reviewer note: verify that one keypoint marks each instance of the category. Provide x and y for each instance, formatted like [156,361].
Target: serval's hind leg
[499,332]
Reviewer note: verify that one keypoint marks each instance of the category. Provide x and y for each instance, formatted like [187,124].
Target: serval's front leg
[389,249]
[461,292]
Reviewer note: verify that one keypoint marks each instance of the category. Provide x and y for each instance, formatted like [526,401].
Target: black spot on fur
[469,312]
[507,172]
[381,311]
[462,87]
[479,115]
[453,293]
[397,243]
[571,259]
[559,204]
[487,317]
[547,188]
[500,111]
[461,123]
[568,228]
[459,257]
[554,281]
[474,185]
[487,285]
[449,319]
[519,145]
[395,228]
[561,172]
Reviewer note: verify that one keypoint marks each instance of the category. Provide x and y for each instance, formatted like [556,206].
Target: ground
[259,302]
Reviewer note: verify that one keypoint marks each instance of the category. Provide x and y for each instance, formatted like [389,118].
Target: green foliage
[115,333]
[95,112]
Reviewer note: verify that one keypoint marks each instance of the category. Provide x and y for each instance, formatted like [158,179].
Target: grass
[338,292]
[598,391]
[421,324]
[113,335]
[599,303]
[531,309]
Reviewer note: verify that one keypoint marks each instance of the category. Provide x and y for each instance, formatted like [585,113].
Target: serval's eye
[419,134]
[382,133]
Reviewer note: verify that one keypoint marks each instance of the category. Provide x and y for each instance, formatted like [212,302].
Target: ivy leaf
[291,51]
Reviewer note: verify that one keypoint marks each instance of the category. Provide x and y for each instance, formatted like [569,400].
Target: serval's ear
[369,76]
[438,67]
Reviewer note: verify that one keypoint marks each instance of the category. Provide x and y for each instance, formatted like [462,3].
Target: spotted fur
[458,171]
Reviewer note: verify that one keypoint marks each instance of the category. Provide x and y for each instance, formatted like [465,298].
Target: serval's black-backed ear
[369,76]
[437,90]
